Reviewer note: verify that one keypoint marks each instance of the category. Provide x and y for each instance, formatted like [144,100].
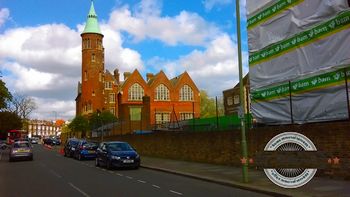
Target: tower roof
[92,23]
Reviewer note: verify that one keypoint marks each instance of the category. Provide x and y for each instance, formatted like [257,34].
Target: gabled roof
[176,79]
[92,23]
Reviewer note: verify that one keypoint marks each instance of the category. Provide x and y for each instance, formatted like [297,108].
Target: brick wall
[224,147]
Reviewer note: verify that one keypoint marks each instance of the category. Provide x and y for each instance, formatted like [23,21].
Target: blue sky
[40,53]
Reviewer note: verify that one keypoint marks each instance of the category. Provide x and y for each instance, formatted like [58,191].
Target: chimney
[126,75]
[149,76]
[116,75]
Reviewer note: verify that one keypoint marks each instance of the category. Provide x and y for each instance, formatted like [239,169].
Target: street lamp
[100,118]
[241,97]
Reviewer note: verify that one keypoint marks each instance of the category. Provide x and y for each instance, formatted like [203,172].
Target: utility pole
[241,98]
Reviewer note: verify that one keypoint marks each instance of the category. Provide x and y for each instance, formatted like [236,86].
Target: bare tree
[22,105]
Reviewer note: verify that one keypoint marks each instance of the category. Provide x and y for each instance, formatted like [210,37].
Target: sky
[40,45]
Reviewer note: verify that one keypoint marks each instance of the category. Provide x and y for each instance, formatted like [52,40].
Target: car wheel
[10,159]
[97,162]
[65,154]
[79,157]
[31,158]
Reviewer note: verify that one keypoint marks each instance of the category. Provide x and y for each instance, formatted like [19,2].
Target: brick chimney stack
[116,76]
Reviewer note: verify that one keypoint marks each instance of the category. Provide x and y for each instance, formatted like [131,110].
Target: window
[111,97]
[93,57]
[93,93]
[186,93]
[162,93]
[85,76]
[135,92]
[162,118]
[135,113]
[100,76]
[112,110]
[229,101]
[236,99]
[108,84]
[88,44]
[186,116]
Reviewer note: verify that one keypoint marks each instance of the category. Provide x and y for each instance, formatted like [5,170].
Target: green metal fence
[222,123]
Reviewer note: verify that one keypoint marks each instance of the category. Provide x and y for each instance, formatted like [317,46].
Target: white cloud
[214,69]
[4,15]
[210,4]
[45,62]
[184,28]
[50,109]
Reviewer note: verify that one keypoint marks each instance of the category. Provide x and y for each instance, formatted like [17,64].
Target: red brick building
[152,101]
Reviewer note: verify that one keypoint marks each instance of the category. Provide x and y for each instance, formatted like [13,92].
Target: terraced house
[147,102]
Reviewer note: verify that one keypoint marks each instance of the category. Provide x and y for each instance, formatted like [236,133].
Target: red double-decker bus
[13,135]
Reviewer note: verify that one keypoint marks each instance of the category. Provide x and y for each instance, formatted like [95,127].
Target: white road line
[119,174]
[56,174]
[156,186]
[129,177]
[141,181]
[79,190]
[175,192]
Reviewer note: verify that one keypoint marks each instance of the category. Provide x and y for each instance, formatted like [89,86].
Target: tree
[5,95]
[9,121]
[96,120]
[22,105]
[79,123]
[208,106]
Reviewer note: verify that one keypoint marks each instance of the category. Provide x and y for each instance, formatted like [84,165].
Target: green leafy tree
[208,106]
[5,95]
[9,121]
[97,119]
[79,123]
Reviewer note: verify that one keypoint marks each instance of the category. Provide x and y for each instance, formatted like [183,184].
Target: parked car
[21,150]
[117,154]
[85,149]
[70,146]
[51,141]
[34,140]
[3,145]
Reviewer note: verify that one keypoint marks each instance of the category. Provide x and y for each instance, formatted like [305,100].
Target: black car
[117,154]
[70,146]
[85,149]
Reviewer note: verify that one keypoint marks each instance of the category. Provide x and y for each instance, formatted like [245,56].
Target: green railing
[222,123]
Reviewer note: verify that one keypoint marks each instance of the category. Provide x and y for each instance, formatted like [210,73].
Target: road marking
[129,177]
[111,172]
[56,174]
[141,181]
[119,174]
[103,169]
[175,192]
[79,190]
[156,186]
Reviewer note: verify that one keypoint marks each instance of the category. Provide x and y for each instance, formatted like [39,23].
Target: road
[51,174]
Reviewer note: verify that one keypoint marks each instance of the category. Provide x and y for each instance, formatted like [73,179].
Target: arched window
[186,93]
[93,57]
[162,93]
[135,92]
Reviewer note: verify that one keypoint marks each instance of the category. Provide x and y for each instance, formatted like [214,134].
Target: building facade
[232,98]
[152,101]
[43,128]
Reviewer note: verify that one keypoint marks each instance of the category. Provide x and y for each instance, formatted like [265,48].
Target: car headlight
[115,157]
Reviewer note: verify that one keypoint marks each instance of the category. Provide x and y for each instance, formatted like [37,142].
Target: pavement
[258,182]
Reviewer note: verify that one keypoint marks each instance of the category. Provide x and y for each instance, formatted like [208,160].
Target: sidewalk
[231,176]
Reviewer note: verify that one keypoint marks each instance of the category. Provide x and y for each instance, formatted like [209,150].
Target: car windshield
[21,145]
[90,144]
[73,142]
[119,147]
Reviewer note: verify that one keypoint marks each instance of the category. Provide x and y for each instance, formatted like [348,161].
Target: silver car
[21,150]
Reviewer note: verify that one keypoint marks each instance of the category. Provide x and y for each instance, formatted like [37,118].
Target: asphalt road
[51,174]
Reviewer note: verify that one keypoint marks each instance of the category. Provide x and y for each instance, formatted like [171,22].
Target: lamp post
[100,118]
[241,97]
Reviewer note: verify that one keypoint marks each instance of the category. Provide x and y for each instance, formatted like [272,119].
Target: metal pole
[217,112]
[291,103]
[193,122]
[347,92]
[241,98]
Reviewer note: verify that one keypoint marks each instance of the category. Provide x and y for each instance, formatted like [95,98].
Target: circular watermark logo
[290,177]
